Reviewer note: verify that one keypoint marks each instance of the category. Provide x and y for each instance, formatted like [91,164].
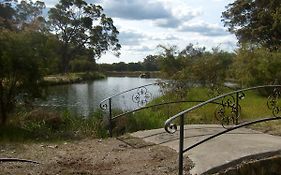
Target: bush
[81,65]
[257,66]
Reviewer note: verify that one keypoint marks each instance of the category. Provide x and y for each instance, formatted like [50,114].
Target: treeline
[150,63]
[246,66]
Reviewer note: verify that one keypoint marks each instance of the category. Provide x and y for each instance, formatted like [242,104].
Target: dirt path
[92,157]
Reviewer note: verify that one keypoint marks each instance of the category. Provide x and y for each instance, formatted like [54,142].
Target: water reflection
[84,98]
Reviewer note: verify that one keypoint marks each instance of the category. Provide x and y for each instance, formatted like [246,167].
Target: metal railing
[142,96]
[227,101]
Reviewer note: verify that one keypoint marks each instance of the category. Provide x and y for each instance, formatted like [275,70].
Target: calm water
[84,98]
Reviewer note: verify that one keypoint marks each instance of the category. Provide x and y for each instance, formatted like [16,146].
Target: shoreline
[71,78]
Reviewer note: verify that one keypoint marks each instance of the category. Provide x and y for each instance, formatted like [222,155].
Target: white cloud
[130,37]
[145,24]
[204,28]
[136,9]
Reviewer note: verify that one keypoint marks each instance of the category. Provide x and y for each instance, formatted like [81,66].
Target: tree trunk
[64,59]
[3,115]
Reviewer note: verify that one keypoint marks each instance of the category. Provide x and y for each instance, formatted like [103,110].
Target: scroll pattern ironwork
[104,105]
[142,97]
[273,102]
[229,110]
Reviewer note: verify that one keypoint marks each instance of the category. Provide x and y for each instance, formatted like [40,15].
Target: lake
[84,98]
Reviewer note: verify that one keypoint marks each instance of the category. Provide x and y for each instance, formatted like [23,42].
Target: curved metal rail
[229,101]
[142,97]
[160,104]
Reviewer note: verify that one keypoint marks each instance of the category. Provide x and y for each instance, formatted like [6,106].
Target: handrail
[169,125]
[123,92]
[141,97]
[272,104]
[160,104]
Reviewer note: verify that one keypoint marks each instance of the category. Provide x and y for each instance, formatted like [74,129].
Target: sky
[145,24]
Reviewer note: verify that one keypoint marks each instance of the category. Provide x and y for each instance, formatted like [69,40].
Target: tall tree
[7,13]
[22,15]
[82,27]
[150,63]
[168,59]
[29,15]
[255,21]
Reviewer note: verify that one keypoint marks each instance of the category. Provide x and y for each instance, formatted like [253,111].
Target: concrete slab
[217,152]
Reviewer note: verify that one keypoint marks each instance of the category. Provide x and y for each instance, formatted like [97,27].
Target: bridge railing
[139,96]
[226,102]
[142,95]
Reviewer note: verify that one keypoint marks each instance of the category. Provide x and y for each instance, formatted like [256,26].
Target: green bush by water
[43,125]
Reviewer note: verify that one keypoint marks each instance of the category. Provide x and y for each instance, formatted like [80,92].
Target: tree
[6,14]
[150,63]
[82,27]
[255,21]
[121,66]
[169,64]
[257,66]
[20,72]
[29,15]
[211,69]
[22,15]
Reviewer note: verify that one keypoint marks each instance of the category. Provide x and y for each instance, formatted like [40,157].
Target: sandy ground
[124,156]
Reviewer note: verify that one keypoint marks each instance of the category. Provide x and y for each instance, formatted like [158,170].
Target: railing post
[110,118]
[181,144]
[237,108]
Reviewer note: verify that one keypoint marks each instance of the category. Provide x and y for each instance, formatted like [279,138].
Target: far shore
[153,74]
[70,78]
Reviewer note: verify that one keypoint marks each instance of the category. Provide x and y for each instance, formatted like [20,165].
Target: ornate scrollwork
[171,128]
[228,112]
[272,102]
[241,95]
[142,97]
[104,105]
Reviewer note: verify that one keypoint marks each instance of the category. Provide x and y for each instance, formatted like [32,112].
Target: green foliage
[29,15]
[83,29]
[255,21]
[6,15]
[196,65]
[25,15]
[169,64]
[150,63]
[46,125]
[19,69]
[81,65]
[257,66]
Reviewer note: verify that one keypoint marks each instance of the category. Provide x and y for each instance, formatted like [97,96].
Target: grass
[43,125]
[253,106]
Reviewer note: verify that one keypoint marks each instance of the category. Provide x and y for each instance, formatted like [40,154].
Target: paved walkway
[219,151]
